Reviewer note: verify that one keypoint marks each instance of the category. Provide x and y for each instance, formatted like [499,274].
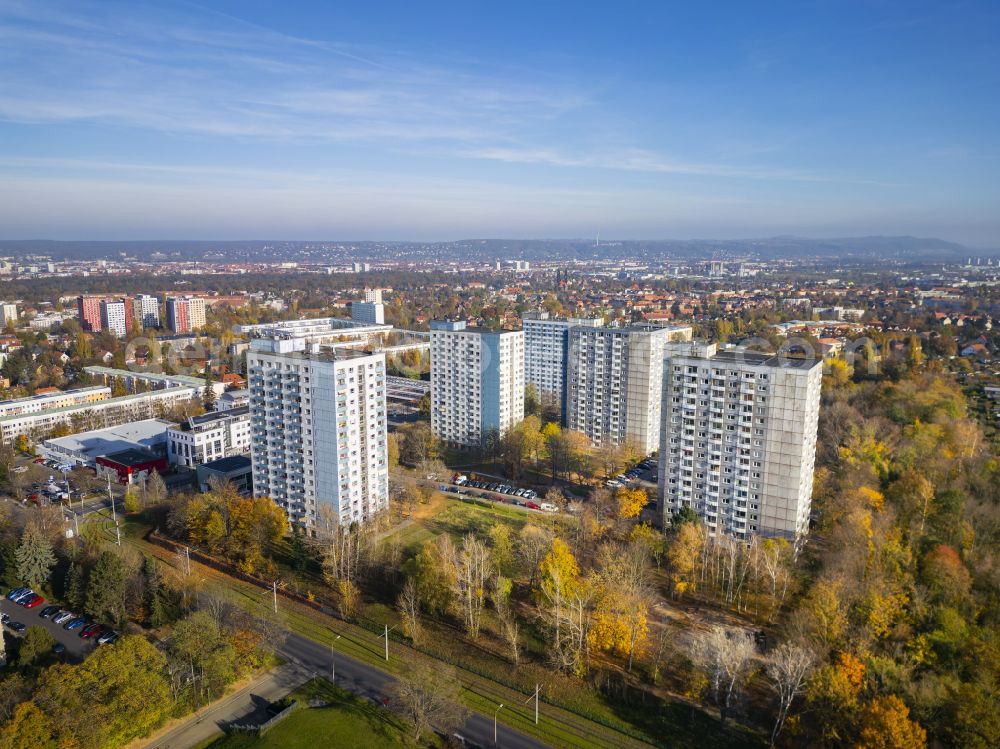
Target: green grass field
[346,720]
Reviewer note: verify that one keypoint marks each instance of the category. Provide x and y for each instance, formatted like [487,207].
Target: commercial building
[185,314]
[113,317]
[149,435]
[319,430]
[212,435]
[477,382]
[739,439]
[546,349]
[614,383]
[371,311]
[103,413]
[131,465]
[60,399]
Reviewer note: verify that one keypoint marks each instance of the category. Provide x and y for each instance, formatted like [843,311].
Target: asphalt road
[77,648]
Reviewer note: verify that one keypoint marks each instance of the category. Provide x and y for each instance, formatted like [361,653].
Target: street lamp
[333,661]
[495,722]
[388,629]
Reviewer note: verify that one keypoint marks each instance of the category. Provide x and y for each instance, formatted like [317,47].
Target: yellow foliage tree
[630,502]
[886,724]
[559,568]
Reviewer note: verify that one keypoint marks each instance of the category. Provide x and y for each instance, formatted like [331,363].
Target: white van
[548,507]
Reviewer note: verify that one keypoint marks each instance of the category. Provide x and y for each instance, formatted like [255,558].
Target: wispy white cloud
[197,71]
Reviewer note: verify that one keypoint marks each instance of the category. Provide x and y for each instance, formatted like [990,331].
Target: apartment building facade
[738,439]
[318,423]
[185,314]
[614,383]
[61,399]
[113,317]
[477,382]
[546,350]
[88,309]
[146,311]
[103,413]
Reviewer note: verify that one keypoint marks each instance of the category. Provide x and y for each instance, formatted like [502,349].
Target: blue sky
[409,120]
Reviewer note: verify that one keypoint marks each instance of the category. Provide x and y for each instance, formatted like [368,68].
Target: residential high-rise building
[371,311]
[113,317]
[89,311]
[318,430]
[477,382]
[185,314]
[546,349]
[146,311]
[739,439]
[614,383]
[8,314]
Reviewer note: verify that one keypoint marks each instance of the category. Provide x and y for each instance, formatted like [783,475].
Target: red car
[91,630]
[35,600]
[531,506]
[38,460]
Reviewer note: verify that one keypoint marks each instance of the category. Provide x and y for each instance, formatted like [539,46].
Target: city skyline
[222,120]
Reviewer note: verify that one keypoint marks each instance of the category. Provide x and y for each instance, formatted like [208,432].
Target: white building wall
[318,432]
[739,439]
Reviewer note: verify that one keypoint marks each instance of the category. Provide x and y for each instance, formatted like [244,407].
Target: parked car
[72,624]
[15,592]
[532,506]
[24,595]
[107,638]
[548,507]
[65,616]
[4,618]
[91,630]
[17,627]
[48,611]
[35,600]
[58,648]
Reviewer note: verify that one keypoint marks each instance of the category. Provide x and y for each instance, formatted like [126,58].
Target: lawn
[346,720]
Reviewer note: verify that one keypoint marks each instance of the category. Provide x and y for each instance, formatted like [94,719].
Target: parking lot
[77,648]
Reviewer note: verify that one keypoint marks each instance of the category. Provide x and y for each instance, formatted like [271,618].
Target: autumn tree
[726,658]
[886,724]
[788,668]
[430,697]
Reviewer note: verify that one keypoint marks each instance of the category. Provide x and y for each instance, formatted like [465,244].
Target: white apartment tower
[477,382]
[546,348]
[614,381]
[146,311]
[738,441]
[113,317]
[318,429]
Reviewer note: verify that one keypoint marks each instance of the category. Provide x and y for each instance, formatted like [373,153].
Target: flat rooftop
[228,465]
[97,442]
[131,456]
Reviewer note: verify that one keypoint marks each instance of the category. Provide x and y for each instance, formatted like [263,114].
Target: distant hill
[898,247]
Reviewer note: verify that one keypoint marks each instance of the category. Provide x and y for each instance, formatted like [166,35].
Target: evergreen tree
[75,590]
[106,583]
[34,557]
[209,396]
